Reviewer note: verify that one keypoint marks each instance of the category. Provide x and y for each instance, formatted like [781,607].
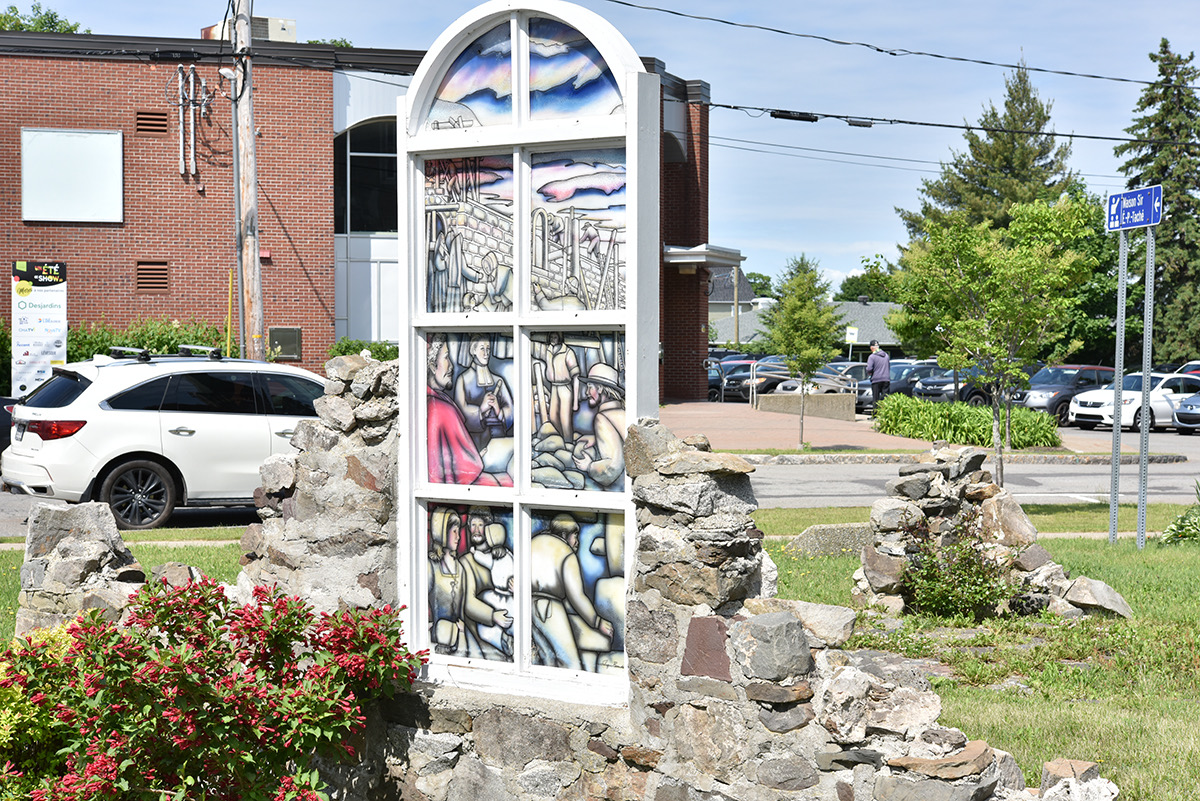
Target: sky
[778,188]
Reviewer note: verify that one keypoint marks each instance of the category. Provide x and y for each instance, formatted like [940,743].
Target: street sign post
[1137,208]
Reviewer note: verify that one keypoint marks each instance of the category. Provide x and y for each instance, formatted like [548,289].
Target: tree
[993,300]
[802,326]
[875,281]
[1169,154]
[47,21]
[1013,160]
[762,285]
[335,42]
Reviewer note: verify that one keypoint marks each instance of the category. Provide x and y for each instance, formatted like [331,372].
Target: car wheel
[140,493]
[1062,412]
[1086,426]
[1186,432]
[976,400]
[1137,421]
[714,395]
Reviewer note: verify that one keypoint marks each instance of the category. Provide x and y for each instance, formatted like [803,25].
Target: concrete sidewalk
[732,426]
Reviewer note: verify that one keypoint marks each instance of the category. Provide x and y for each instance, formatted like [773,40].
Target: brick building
[325,147]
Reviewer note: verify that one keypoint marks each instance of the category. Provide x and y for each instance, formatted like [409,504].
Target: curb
[911,458]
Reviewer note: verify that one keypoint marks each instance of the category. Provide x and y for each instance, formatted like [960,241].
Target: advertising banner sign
[39,322]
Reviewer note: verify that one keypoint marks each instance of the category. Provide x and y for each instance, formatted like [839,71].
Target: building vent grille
[152,277]
[151,123]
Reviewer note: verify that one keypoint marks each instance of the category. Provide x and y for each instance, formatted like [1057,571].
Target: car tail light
[54,429]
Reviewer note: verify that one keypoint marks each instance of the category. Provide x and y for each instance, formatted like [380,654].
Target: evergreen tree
[11,19]
[1170,122]
[1014,159]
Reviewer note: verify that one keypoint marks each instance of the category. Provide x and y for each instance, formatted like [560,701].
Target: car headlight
[1040,396]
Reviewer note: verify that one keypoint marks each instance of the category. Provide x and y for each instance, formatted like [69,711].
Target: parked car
[6,407]
[1186,417]
[716,380]
[904,375]
[148,434]
[833,377]
[1095,407]
[939,386]
[760,377]
[1051,388]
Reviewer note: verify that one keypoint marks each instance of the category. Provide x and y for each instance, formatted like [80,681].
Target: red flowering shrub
[195,699]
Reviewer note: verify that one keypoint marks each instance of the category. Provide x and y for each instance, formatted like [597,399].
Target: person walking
[879,369]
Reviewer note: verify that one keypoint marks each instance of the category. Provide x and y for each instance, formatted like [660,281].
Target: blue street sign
[1138,208]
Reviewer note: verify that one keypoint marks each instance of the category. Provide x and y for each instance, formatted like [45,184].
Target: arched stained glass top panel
[477,89]
[567,75]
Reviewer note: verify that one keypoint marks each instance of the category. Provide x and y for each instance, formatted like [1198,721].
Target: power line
[859,121]
[887,51]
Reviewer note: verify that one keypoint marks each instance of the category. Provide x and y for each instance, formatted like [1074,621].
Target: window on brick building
[364,179]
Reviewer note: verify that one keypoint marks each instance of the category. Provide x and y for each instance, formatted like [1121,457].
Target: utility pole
[247,187]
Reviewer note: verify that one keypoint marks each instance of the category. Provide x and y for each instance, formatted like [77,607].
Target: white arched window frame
[634,129]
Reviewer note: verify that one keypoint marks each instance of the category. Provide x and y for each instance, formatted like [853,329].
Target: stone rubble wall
[734,695]
[939,497]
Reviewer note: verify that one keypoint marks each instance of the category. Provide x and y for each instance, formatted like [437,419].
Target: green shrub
[158,336]
[196,697]
[383,351]
[955,578]
[1186,527]
[904,416]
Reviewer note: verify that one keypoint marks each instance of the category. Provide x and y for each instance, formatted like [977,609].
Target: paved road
[862,484]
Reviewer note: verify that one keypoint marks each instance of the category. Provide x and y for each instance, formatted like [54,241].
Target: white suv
[151,433]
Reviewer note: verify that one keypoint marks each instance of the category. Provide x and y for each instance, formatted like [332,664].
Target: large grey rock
[645,442]
[912,487]
[884,573]
[1031,558]
[1005,522]
[1088,593]
[824,624]
[1059,770]
[831,539]
[278,472]
[893,514]
[344,368]
[971,761]
[771,646]
[787,773]
[509,739]
[689,462]
[335,411]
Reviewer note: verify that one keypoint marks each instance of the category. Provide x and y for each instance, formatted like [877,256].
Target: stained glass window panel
[578,582]
[568,78]
[471,570]
[477,88]
[579,234]
[470,409]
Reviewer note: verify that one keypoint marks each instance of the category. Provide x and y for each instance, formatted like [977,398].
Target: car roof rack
[141,354]
[191,350]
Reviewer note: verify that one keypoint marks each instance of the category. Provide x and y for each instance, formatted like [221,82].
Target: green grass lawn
[1122,693]
[219,562]
[1051,518]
